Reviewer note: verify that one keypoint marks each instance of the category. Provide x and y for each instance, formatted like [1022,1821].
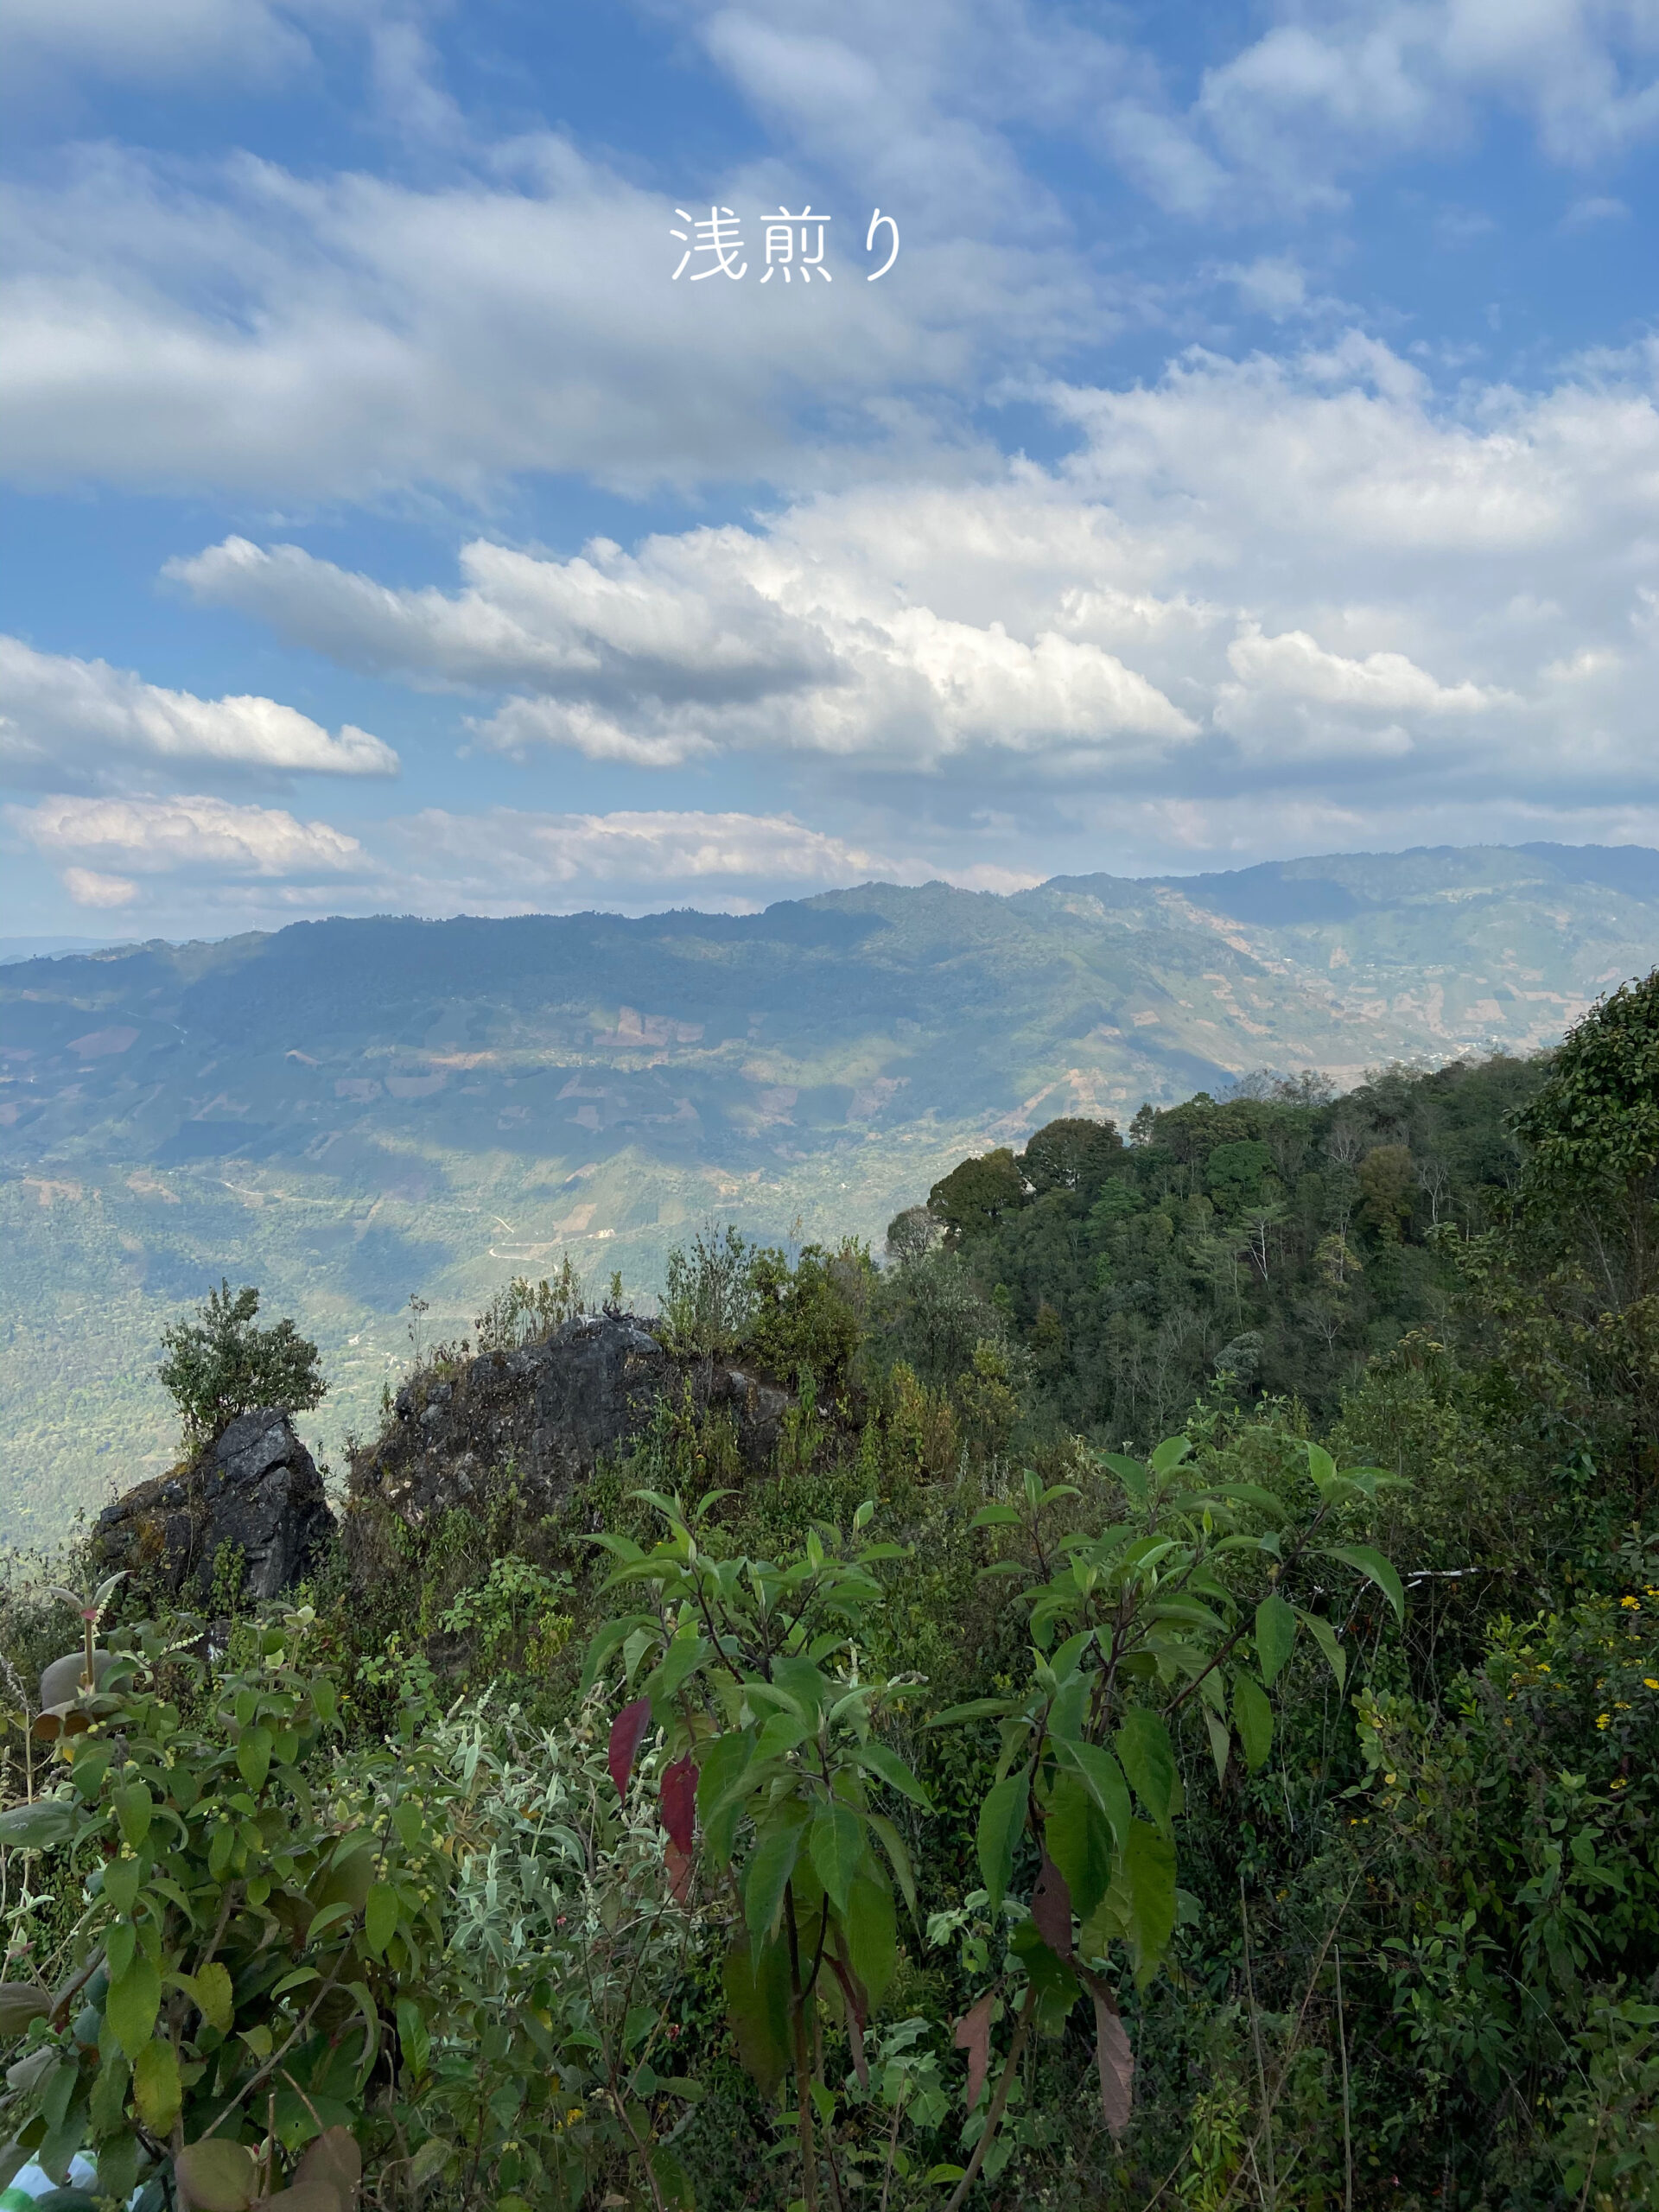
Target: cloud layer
[67,719]
[253,860]
[1254,571]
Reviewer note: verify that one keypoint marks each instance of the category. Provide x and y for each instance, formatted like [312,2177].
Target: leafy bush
[220,1366]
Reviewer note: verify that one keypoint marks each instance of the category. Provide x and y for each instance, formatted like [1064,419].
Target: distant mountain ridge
[347,1112]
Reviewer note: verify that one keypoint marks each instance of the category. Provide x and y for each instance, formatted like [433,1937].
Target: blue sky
[1253,449]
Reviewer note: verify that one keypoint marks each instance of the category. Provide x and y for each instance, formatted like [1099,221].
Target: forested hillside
[352,1113]
[1170,1719]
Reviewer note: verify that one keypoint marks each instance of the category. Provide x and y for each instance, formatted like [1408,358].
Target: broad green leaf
[878,1759]
[1148,1757]
[1325,1636]
[406,1819]
[678,1663]
[117,2166]
[1105,1779]
[894,1843]
[1056,1985]
[604,1643]
[329,1918]
[155,2085]
[977,1708]
[134,1808]
[768,1873]
[995,1516]
[671,2179]
[253,1753]
[1275,1634]
[429,2161]
[380,1918]
[1001,1818]
[837,1844]
[20,2002]
[1169,1454]
[1149,1873]
[872,1934]
[720,1784]
[213,1996]
[1321,1466]
[783,1731]
[805,1687]
[757,2004]
[1079,1840]
[121,1879]
[132,2007]
[1366,1561]
[217,2175]
[1130,1472]
[39,1827]
[370,2013]
[1246,1494]
[1253,1718]
[413,2037]
[1221,1743]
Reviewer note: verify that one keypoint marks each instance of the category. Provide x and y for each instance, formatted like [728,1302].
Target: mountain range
[349,1113]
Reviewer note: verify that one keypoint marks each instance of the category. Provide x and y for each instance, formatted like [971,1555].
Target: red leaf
[972,2034]
[678,1865]
[1050,1908]
[627,1733]
[1114,2057]
[679,1801]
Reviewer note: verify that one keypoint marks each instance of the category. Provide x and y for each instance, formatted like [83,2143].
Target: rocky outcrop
[549,1410]
[256,1489]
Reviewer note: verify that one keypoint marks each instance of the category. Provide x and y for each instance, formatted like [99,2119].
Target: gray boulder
[256,1489]
[548,1411]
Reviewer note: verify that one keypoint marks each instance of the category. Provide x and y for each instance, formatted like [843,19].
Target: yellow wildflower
[1603,1720]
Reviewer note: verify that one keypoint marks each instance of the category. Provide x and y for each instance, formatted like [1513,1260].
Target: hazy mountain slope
[347,1112]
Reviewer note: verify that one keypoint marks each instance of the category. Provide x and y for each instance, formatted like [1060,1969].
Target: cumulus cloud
[63,718]
[161,837]
[717,641]
[86,888]
[1245,571]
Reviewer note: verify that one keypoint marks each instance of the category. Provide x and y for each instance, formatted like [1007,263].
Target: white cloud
[1246,569]
[88,888]
[244,327]
[532,859]
[1594,208]
[1341,706]
[717,641]
[1333,88]
[1271,284]
[158,837]
[61,718]
[163,42]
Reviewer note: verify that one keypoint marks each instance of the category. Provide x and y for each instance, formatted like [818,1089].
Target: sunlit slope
[348,1112]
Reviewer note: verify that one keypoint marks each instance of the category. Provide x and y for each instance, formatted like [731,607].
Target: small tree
[220,1366]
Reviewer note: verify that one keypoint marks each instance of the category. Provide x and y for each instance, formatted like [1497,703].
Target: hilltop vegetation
[977,1807]
[348,1113]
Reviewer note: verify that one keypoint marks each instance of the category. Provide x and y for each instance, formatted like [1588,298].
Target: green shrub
[221,1364]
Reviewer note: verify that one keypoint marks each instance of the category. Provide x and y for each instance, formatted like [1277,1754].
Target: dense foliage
[223,1363]
[983,1808]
